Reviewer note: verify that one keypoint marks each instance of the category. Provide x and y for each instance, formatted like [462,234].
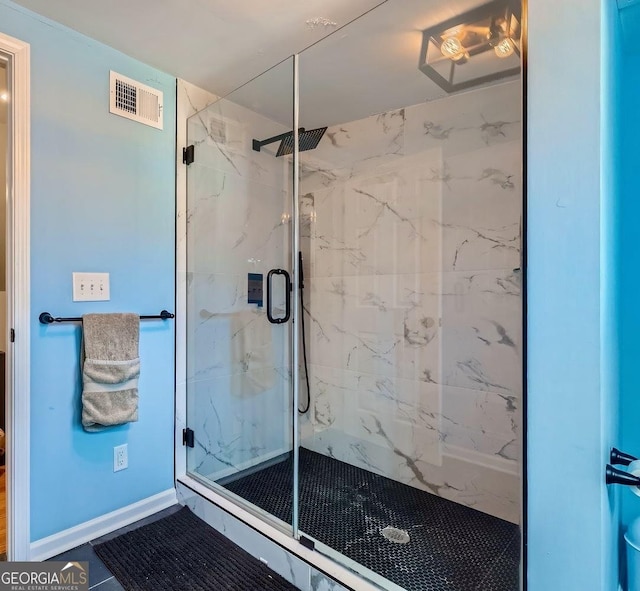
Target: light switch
[91,287]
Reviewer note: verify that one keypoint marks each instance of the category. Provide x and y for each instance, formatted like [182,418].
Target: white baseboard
[90,530]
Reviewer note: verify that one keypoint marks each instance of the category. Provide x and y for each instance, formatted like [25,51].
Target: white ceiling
[215,44]
[367,67]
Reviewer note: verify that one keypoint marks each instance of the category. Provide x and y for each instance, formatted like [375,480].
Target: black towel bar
[46,318]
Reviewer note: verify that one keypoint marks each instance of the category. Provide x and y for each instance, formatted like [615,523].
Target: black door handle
[287,290]
[615,476]
[619,457]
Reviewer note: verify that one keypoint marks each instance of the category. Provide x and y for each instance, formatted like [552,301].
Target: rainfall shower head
[307,140]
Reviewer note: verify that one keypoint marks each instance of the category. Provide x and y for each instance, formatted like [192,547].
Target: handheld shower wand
[301,267]
[304,345]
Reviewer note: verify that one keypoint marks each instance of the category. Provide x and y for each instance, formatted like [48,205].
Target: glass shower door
[239,297]
[410,210]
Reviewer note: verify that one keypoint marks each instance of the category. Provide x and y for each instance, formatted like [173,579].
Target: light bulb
[4,96]
[452,48]
[505,48]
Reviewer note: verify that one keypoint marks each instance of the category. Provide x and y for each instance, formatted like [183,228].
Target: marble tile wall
[411,237]
[190,100]
[235,222]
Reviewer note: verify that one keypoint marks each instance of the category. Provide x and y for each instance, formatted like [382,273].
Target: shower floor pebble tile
[452,547]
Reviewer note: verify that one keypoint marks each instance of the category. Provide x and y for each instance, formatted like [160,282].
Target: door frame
[18,300]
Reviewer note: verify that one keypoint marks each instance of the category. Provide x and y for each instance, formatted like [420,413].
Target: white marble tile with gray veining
[190,100]
[222,136]
[375,324]
[412,247]
[482,209]
[467,121]
[485,422]
[350,402]
[492,491]
[227,335]
[357,145]
[234,432]
[481,334]
[235,224]
[333,398]
[377,224]
[320,582]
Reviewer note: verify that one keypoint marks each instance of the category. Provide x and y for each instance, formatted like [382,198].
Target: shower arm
[276,138]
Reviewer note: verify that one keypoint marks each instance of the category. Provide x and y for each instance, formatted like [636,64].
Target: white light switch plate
[91,287]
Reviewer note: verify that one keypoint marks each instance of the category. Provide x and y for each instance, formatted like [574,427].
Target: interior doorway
[4,161]
[15,301]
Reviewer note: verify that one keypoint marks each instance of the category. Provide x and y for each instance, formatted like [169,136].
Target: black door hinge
[307,543]
[188,438]
[13,335]
[188,154]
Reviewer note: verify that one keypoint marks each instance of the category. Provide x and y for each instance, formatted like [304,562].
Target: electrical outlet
[91,287]
[120,457]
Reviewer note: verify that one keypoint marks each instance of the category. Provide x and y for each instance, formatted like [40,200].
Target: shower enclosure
[354,313]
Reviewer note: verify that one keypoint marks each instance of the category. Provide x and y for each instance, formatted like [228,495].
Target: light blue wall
[628,245]
[102,196]
[572,406]
[610,284]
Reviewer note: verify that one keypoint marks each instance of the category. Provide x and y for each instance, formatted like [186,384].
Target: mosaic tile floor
[451,547]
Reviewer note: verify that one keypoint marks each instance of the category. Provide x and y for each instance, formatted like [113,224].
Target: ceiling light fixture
[462,52]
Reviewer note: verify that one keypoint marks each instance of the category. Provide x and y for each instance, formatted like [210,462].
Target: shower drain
[395,535]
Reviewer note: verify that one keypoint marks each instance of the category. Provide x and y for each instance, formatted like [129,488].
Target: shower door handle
[287,296]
